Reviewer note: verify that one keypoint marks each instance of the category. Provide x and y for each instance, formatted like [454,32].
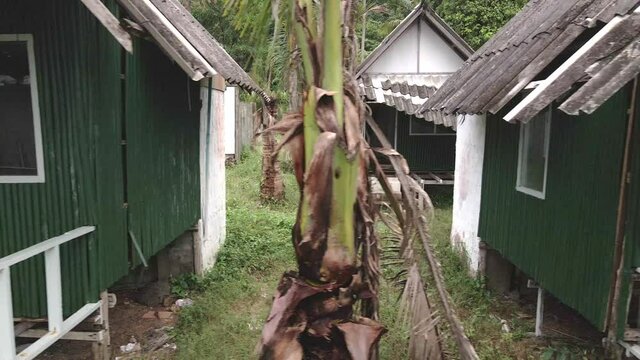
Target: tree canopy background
[246,30]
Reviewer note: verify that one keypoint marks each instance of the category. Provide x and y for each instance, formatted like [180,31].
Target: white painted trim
[183,63]
[50,338]
[39,248]
[35,109]
[58,327]
[6,317]
[54,288]
[547,113]
[543,85]
[93,336]
[630,349]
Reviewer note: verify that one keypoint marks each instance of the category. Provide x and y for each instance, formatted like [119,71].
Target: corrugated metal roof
[531,41]
[406,93]
[188,42]
[456,42]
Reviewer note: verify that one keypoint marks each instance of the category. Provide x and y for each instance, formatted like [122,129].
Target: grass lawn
[233,300]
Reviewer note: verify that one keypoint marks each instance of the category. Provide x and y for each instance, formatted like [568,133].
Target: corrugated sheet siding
[423,153]
[79,92]
[565,241]
[426,152]
[163,178]
[633,205]
[632,240]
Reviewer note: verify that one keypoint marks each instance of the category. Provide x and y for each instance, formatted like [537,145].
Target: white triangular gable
[417,50]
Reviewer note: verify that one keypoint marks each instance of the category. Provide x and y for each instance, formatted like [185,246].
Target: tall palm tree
[315,312]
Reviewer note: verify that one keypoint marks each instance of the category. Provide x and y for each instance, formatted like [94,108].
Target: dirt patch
[149,326]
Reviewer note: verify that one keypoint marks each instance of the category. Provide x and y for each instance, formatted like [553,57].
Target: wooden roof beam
[109,21]
[561,79]
[169,38]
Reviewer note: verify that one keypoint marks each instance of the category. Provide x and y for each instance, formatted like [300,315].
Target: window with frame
[533,155]
[421,127]
[21,155]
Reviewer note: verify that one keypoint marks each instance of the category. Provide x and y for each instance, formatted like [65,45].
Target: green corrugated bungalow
[557,194]
[399,75]
[110,148]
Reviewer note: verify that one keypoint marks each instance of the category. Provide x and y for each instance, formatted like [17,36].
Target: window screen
[20,141]
[533,154]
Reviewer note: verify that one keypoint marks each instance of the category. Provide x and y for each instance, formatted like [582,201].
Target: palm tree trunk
[272,186]
[312,316]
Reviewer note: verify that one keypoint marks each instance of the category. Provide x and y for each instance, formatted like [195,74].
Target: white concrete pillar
[230,120]
[212,226]
[467,189]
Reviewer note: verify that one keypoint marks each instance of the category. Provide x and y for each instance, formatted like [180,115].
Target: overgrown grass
[484,313]
[234,298]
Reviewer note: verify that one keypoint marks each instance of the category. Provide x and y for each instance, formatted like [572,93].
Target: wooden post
[618,265]
[101,349]
[7,339]
[54,288]
[539,312]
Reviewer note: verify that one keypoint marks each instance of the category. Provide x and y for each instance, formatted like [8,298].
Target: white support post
[539,312]
[54,288]
[7,338]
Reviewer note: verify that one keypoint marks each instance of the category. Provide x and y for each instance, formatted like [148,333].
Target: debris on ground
[132,346]
[181,303]
[158,338]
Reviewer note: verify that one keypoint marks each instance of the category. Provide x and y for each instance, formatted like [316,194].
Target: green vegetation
[477,20]
[233,300]
[246,29]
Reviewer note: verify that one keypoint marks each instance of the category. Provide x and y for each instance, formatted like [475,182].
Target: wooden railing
[58,326]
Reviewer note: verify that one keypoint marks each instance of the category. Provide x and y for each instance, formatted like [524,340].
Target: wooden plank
[71,335]
[19,328]
[435,177]
[50,338]
[616,34]
[39,248]
[632,335]
[106,18]
[7,339]
[606,82]
[54,288]
[169,39]
[202,40]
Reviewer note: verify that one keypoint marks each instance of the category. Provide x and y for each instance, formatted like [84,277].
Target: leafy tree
[477,20]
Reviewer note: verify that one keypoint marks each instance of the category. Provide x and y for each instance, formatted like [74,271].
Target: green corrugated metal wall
[81,140]
[81,103]
[423,153]
[632,226]
[565,241]
[162,112]
[633,207]
[426,153]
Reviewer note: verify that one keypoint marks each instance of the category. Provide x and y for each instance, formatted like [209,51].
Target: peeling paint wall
[212,175]
[230,96]
[468,188]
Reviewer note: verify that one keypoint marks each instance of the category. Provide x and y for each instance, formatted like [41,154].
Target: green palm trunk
[313,313]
